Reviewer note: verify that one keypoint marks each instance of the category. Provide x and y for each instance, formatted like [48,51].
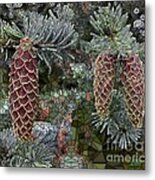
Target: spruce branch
[117,126]
[112,33]
[52,36]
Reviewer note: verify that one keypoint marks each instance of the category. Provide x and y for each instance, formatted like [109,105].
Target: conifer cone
[103,83]
[23,89]
[133,86]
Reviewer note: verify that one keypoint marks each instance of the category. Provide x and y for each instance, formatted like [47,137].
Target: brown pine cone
[104,83]
[133,87]
[23,89]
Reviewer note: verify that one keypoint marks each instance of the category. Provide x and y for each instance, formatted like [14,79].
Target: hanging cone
[103,83]
[133,86]
[23,89]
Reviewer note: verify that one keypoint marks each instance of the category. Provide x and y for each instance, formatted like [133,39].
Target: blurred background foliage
[66,85]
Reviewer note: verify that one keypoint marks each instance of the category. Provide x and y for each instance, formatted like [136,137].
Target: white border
[42,174]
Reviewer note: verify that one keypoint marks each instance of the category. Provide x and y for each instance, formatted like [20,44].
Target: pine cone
[23,89]
[103,83]
[133,86]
